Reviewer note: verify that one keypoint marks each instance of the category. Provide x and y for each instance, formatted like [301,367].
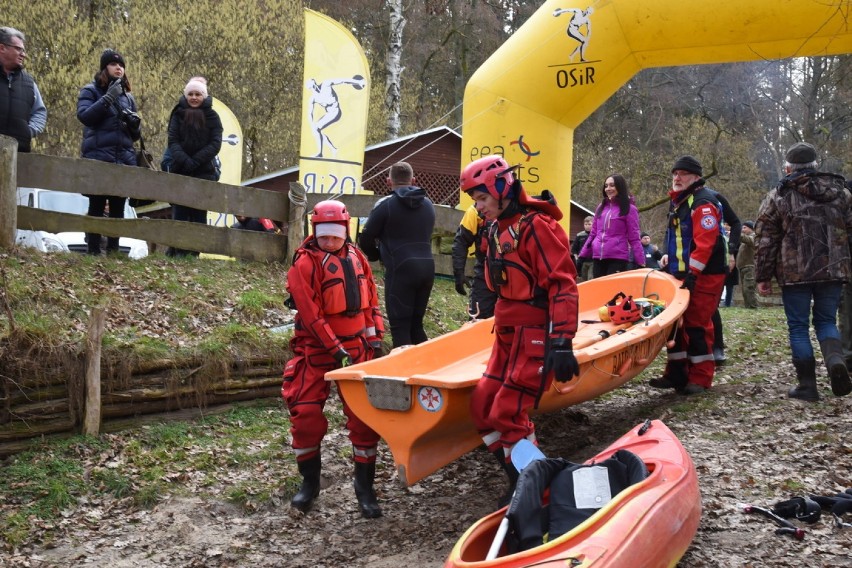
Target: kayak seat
[577,491]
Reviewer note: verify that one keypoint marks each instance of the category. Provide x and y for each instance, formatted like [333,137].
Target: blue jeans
[797,307]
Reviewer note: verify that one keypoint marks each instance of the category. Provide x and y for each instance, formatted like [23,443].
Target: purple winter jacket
[614,236]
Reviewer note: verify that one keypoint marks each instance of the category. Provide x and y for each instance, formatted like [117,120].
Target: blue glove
[561,360]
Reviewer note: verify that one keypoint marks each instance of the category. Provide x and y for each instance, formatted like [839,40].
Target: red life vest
[344,286]
[505,271]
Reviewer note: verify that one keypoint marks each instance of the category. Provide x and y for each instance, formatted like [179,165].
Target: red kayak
[648,524]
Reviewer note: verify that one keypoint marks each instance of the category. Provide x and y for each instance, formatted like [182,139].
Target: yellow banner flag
[335,103]
[230,156]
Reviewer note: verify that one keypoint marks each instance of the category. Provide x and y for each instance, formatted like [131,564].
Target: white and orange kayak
[649,524]
[417,398]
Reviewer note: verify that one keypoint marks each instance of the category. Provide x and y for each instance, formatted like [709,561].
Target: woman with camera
[195,138]
[110,126]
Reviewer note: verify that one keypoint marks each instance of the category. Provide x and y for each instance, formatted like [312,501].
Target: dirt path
[748,441]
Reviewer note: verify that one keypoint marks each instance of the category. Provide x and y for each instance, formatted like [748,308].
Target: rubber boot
[365,473]
[511,473]
[93,244]
[806,373]
[112,245]
[832,352]
[310,470]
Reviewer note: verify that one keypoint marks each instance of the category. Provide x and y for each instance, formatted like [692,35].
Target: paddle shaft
[601,335]
[498,539]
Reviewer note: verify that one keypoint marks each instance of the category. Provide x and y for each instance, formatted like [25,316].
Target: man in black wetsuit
[399,233]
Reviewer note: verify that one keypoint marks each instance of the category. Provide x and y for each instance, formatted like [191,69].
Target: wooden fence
[91,393]
[93,177]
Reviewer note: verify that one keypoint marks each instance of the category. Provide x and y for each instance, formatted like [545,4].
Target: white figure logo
[324,97]
[579,28]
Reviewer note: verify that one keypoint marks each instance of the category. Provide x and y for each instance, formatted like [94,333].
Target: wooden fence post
[296,221]
[8,191]
[92,412]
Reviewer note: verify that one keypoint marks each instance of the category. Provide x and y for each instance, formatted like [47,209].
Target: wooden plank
[74,175]
[92,416]
[250,245]
[8,186]
[446,218]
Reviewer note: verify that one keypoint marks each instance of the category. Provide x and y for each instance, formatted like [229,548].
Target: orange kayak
[417,398]
[649,524]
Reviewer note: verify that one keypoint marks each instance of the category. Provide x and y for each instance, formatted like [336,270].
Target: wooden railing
[93,177]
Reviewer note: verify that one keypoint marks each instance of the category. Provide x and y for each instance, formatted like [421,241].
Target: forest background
[737,119]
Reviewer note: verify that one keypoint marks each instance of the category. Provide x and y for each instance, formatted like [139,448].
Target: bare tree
[394,68]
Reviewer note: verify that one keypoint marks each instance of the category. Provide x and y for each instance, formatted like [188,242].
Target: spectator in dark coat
[399,233]
[110,125]
[195,138]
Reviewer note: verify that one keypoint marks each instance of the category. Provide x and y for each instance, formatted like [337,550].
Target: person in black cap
[696,254]
[652,252]
[803,229]
[110,126]
[745,265]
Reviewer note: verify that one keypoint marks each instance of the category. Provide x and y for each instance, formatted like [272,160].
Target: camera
[131,119]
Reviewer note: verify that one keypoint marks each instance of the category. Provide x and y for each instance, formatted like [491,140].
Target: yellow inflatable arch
[527,99]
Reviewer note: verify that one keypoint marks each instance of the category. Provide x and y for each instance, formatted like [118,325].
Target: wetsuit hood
[412,196]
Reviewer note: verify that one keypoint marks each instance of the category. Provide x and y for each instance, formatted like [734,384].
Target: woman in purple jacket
[613,242]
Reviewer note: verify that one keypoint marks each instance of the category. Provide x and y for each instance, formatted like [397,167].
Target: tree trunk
[394,68]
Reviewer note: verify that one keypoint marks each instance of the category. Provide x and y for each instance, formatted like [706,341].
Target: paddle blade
[525,452]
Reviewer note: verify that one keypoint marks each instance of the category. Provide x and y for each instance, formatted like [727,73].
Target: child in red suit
[338,323]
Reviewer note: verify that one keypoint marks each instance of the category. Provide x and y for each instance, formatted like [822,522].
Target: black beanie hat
[688,164]
[801,153]
[111,56]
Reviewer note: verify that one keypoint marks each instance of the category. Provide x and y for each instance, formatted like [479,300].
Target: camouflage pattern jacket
[803,230]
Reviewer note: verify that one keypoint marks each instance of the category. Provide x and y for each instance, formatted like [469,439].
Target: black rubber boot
[806,373]
[511,473]
[310,470]
[365,473]
[93,244]
[832,352]
[112,245]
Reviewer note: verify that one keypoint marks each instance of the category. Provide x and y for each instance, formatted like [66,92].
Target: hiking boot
[806,374]
[832,352]
[719,356]
[692,388]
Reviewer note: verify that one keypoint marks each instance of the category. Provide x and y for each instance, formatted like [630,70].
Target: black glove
[689,282]
[342,357]
[377,346]
[460,283]
[115,90]
[561,360]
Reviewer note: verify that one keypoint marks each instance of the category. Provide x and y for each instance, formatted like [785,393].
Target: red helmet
[484,173]
[625,311]
[330,211]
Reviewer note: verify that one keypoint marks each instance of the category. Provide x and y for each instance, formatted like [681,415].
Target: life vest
[344,287]
[505,271]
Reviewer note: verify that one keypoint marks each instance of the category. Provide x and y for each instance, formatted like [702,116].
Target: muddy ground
[748,441]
